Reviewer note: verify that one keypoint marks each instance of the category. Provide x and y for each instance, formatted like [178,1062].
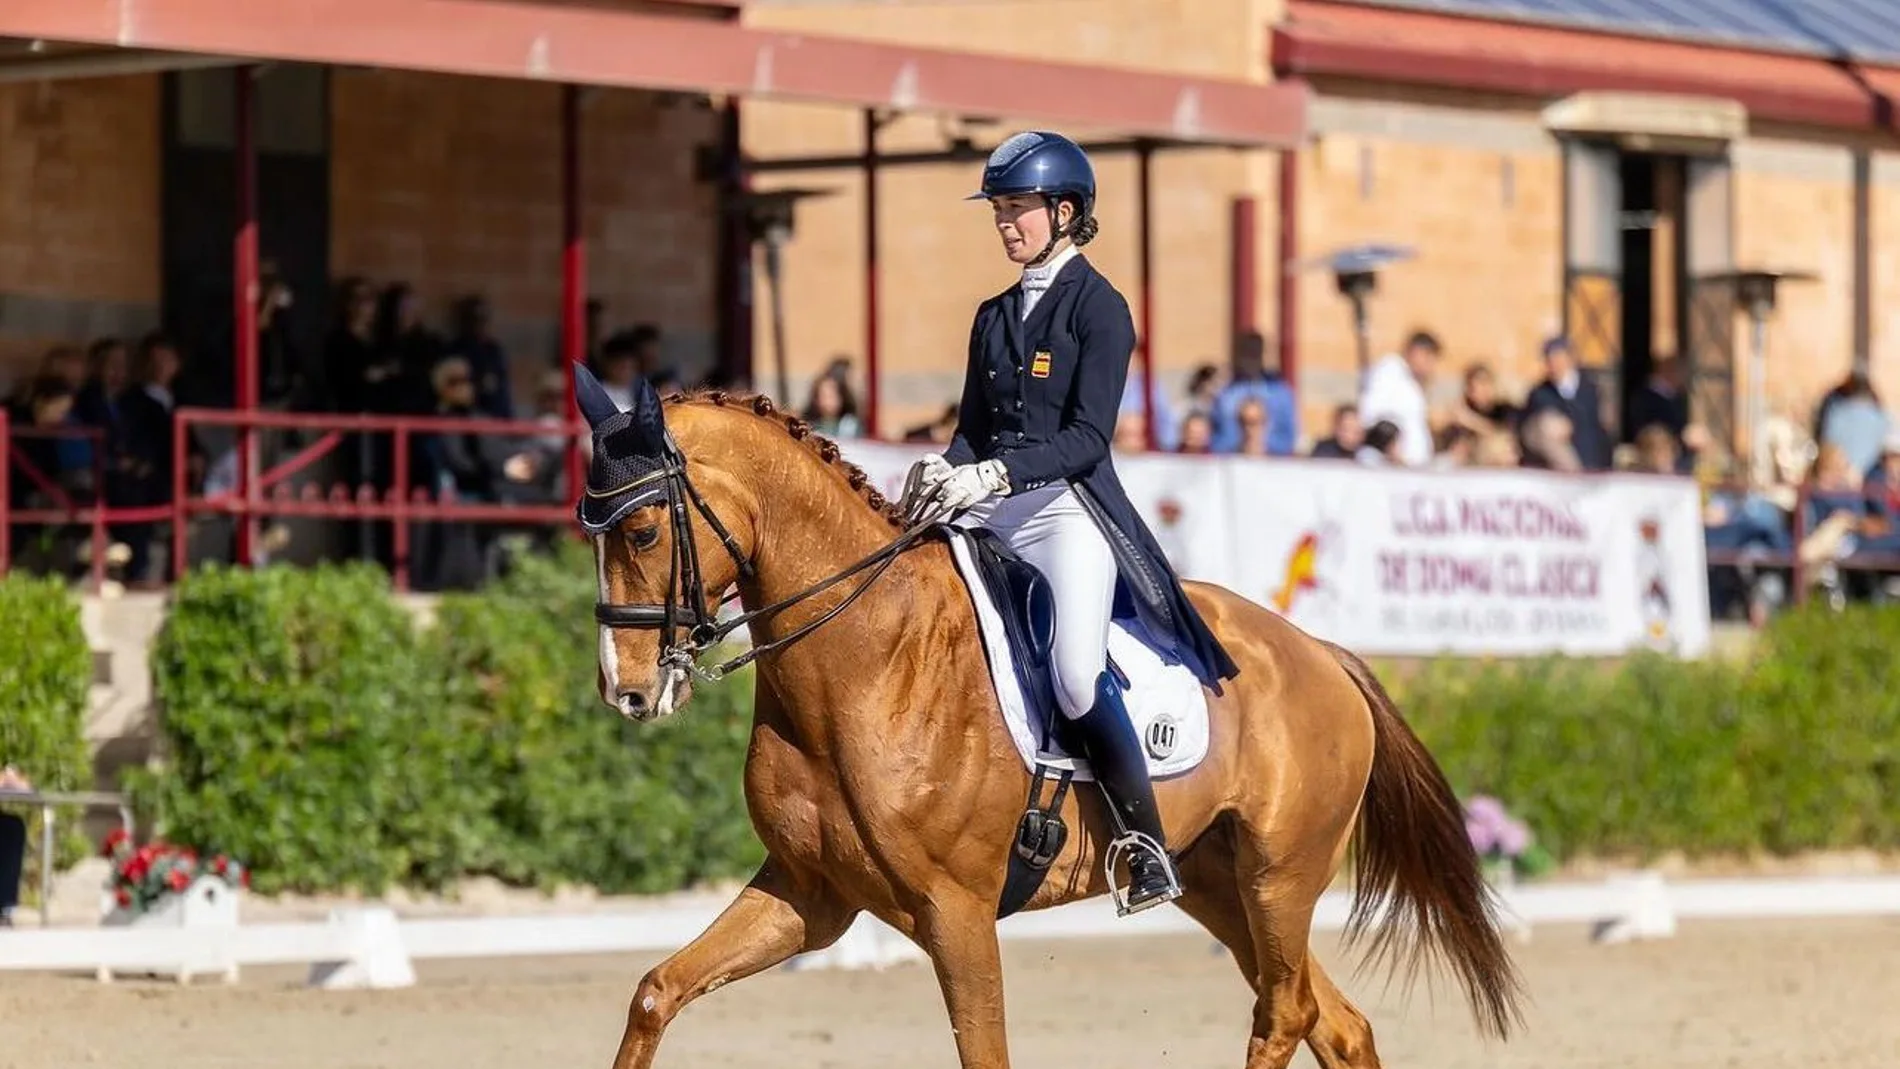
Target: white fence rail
[370,947]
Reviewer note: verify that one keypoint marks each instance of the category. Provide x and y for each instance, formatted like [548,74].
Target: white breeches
[1049,528]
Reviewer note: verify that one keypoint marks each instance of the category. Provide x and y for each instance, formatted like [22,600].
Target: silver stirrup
[1118,849]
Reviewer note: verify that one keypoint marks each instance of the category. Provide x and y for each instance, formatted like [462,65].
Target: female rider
[1030,462]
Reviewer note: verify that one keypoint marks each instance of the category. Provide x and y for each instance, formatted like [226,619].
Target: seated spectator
[1569,392]
[1197,433]
[831,408]
[1396,390]
[1256,428]
[939,430]
[1548,442]
[1496,451]
[1855,423]
[1254,379]
[12,847]
[1384,446]
[1349,433]
[1454,448]
[1658,451]
[620,367]
[1135,399]
[1883,486]
[1482,411]
[1131,432]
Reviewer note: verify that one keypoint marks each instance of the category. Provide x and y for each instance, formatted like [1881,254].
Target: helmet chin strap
[1056,233]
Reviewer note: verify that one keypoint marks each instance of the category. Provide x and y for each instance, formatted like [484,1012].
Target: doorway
[1651,223]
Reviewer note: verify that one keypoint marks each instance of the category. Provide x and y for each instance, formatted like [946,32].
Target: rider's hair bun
[1085,231]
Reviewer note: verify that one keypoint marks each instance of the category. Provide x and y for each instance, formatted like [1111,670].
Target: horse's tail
[1412,855]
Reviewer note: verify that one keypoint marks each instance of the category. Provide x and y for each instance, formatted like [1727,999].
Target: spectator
[1203,391]
[1385,446]
[1496,451]
[1548,441]
[1658,451]
[645,343]
[1568,391]
[939,430]
[1455,447]
[366,380]
[1837,514]
[12,846]
[1855,422]
[1253,378]
[150,426]
[1663,400]
[475,342]
[1395,391]
[1131,431]
[1483,411]
[285,378]
[1349,433]
[620,368]
[1883,486]
[831,408]
[455,465]
[1135,399]
[405,343]
[1197,433]
[1256,428]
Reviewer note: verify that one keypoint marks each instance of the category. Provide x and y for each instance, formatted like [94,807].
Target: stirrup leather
[1126,845]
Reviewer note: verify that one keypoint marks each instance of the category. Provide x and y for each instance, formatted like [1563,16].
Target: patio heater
[769,218]
[1355,270]
[1755,291]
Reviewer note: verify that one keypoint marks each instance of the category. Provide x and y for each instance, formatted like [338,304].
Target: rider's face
[1022,221]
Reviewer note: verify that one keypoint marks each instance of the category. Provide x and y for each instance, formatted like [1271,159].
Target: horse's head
[663,554]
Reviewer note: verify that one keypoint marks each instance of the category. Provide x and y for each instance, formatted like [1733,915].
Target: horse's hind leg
[1343,1038]
[774,918]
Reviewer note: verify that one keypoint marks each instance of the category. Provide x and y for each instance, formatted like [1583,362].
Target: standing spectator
[1349,433]
[1197,434]
[1395,392]
[1855,422]
[1658,451]
[831,408]
[1203,391]
[12,847]
[365,380]
[455,466]
[1253,379]
[1456,446]
[620,368]
[475,343]
[149,411]
[1663,400]
[1483,411]
[406,343]
[1569,392]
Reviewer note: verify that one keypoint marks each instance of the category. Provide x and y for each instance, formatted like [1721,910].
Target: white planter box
[208,904]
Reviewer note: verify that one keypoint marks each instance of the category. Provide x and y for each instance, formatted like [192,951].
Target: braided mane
[820,446]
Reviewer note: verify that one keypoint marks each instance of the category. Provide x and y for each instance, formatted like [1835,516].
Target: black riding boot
[1113,751]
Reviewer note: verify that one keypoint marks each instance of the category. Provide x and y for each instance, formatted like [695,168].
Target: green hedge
[45,676]
[314,731]
[1795,748]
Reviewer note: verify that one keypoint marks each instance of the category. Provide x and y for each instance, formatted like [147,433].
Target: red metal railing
[271,493]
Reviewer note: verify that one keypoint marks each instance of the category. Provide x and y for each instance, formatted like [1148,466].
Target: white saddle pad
[1165,700]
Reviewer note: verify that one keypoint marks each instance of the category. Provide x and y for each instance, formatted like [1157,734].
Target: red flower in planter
[179,880]
[124,897]
[137,868]
[119,837]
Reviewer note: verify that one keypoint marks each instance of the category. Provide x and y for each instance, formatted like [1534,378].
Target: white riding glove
[972,483]
[921,484]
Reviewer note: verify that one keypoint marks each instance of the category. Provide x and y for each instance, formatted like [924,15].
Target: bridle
[688,628]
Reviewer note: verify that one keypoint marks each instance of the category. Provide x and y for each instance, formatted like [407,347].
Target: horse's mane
[826,450]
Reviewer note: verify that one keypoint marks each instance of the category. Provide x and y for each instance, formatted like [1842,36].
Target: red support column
[870,273]
[573,278]
[1144,208]
[244,301]
[1244,272]
[1288,251]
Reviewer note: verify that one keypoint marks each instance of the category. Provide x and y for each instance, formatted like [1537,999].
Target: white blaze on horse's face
[623,652]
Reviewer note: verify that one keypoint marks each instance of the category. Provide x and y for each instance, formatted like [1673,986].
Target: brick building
[1549,170]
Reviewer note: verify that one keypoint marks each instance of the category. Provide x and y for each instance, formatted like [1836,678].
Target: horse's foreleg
[774,918]
[958,931]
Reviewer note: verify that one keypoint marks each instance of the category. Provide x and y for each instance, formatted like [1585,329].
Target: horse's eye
[646,537]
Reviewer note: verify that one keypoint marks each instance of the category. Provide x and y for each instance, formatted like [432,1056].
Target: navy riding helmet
[1036,161]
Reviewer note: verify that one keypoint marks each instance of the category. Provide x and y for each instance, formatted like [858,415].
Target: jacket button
[1019,404]
[992,373]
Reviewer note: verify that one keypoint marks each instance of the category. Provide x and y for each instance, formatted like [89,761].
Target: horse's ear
[649,413]
[591,397]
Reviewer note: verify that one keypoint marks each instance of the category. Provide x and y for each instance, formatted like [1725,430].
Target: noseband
[687,626]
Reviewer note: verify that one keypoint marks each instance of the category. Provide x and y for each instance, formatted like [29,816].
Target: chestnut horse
[880,776]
